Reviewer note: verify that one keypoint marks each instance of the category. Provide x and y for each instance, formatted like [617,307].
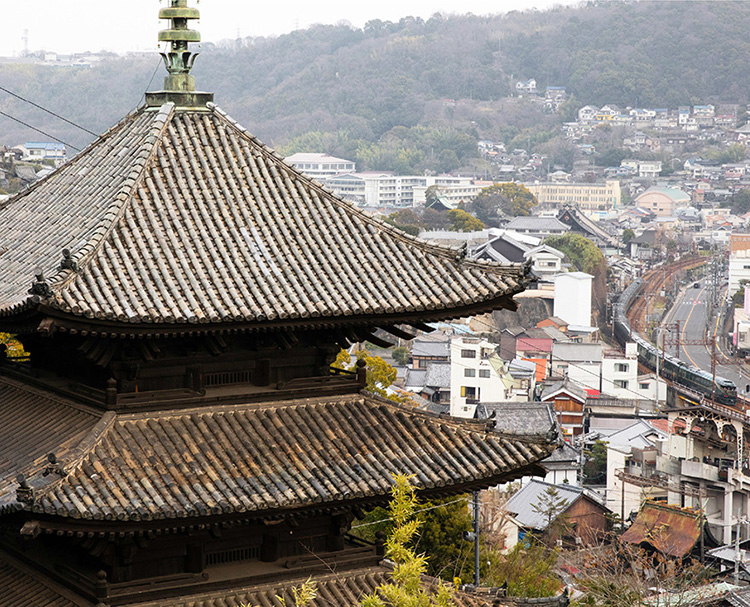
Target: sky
[71,26]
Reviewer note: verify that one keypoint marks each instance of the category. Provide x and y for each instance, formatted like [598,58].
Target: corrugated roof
[669,529]
[538,224]
[261,458]
[182,217]
[522,503]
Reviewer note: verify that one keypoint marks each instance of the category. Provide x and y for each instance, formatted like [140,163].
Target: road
[690,310]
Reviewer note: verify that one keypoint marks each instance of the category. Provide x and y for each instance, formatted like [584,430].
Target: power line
[36,105]
[33,128]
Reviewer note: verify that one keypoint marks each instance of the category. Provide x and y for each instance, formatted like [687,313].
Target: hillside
[416,95]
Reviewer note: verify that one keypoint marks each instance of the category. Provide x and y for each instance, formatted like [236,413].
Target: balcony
[694,469]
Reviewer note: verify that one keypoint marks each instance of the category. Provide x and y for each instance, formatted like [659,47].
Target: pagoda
[177,435]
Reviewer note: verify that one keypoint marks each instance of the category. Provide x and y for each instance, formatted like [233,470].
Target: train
[675,370]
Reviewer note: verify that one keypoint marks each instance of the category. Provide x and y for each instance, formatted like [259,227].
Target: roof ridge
[443,251]
[77,158]
[121,200]
[75,457]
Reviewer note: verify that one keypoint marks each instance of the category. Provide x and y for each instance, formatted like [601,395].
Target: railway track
[662,278]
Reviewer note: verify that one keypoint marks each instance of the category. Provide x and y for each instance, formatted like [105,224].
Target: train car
[723,390]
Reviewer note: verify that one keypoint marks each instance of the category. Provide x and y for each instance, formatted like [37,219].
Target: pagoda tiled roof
[181,217]
[253,460]
[20,586]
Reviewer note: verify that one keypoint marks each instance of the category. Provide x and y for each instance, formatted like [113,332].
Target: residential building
[429,348]
[477,375]
[585,515]
[587,113]
[573,298]
[38,151]
[526,86]
[569,401]
[633,450]
[620,373]
[579,362]
[739,260]
[320,166]
[589,197]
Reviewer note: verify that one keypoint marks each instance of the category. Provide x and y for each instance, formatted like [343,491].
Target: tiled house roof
[255,459]
[179,217]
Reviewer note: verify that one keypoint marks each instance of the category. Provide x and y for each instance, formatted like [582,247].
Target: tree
[380,375]
[511,199]
[595,467]
[622,575]
[13,347]
[527,570]
[627,235]
[550,506]
[461,221]
[401,355]
[741,201]
[406,589]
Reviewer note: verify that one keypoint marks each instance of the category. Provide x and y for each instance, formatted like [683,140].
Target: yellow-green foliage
[380,374]
[406,589]
[15,349]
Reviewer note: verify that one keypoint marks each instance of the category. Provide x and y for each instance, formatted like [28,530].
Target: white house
[620,373]
[474,379]
[573,298]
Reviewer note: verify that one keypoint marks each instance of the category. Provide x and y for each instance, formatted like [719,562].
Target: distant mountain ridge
[361,84]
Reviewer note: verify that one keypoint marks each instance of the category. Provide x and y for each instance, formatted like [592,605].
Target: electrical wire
[390,518]
[33,128]
[44,109]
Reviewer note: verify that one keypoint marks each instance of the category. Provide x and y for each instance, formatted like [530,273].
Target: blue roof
[36,145]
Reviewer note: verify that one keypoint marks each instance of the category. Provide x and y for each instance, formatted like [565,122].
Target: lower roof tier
[249,460]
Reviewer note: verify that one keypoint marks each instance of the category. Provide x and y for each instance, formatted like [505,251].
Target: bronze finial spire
[179,85]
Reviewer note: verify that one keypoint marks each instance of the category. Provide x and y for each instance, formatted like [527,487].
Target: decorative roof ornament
[179,85]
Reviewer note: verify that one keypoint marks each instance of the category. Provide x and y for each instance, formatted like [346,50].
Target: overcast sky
[67,26]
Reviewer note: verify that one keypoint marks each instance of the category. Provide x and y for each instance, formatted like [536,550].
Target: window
[621,383]
[469,373]
[469,392]
[484,373]
[468,353]
[621,367]
[643,386]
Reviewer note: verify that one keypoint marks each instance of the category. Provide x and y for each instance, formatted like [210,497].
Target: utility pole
[476,539]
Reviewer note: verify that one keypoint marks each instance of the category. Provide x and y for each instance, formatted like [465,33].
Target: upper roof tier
[180,216]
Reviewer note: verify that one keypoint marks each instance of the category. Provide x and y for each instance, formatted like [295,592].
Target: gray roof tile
[183,218]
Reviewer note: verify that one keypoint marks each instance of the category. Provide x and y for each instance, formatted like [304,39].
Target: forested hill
[346,89]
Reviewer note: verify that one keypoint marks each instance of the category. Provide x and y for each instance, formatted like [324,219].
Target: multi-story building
[388,190]
[320,166]
[474,379]
[739,260]
[585,196]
